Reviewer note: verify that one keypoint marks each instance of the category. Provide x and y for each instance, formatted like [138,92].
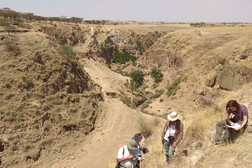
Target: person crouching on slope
[172,134]
[240,113]
[138,137]
[127,155]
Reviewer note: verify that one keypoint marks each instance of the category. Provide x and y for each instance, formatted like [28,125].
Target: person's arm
[245,120]
[125,158]
[228,120]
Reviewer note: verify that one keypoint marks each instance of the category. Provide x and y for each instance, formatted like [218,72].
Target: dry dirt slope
[192,53]
[200,145]
[114,127]
[209,60]
[47,102]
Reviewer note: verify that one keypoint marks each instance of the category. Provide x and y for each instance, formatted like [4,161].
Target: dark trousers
[228,134]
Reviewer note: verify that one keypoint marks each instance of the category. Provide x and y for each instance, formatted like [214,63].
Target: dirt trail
[113,128]
[107,79]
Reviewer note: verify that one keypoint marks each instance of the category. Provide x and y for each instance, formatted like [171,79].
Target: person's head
[132,145]
[138,137]
[233,105]
[173,116]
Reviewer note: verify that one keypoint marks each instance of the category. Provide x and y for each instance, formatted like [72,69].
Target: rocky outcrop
[234,76]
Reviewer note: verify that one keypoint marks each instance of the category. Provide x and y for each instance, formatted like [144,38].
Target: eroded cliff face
[46,99]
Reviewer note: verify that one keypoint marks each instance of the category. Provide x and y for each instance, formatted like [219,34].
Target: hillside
[48,103]
[61,109]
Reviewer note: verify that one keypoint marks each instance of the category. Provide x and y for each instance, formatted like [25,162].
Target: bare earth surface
[60,112]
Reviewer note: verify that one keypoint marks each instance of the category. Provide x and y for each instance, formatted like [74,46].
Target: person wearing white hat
[172,134]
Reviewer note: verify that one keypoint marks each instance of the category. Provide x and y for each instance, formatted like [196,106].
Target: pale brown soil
[216,62]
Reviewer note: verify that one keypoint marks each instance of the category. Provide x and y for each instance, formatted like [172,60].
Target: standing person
[172,134]
[127,155]
[240,113]
[138,137]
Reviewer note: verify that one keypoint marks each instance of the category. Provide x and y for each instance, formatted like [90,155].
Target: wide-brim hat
[132,145]
[173,116]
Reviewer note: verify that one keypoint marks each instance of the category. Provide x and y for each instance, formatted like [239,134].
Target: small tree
[137,77]
[157,75]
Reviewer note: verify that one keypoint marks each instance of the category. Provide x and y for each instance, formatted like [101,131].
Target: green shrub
[154,86]
[7,85]
[161,100]
[69,52]
[222,61]
[38,59]
[171,89]
[157,94]
[73,34]
[126,100]
[108,41]
[63,40]
[123,57]
[157,75]
[134,64]
[137,77]
[24,78]
[109,66]
[140,47]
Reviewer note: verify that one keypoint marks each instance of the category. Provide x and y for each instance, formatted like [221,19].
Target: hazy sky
[139,10]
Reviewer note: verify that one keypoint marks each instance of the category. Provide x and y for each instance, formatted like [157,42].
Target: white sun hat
[173,116]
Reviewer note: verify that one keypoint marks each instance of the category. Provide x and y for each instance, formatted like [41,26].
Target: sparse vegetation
[148,43]
[7,85]
[38,59]
[157,94]
[13,48]
[68,50]
[127,100]
[157,75]
[23,78]
[146,128]
[109,66]
[140,47]
[108,41]
[154,86]
[172,88]
[223,61]
[62,40]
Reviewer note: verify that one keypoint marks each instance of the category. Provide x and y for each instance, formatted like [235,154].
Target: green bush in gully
[157,75]
[140,47]
[123,57]
[137,77]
